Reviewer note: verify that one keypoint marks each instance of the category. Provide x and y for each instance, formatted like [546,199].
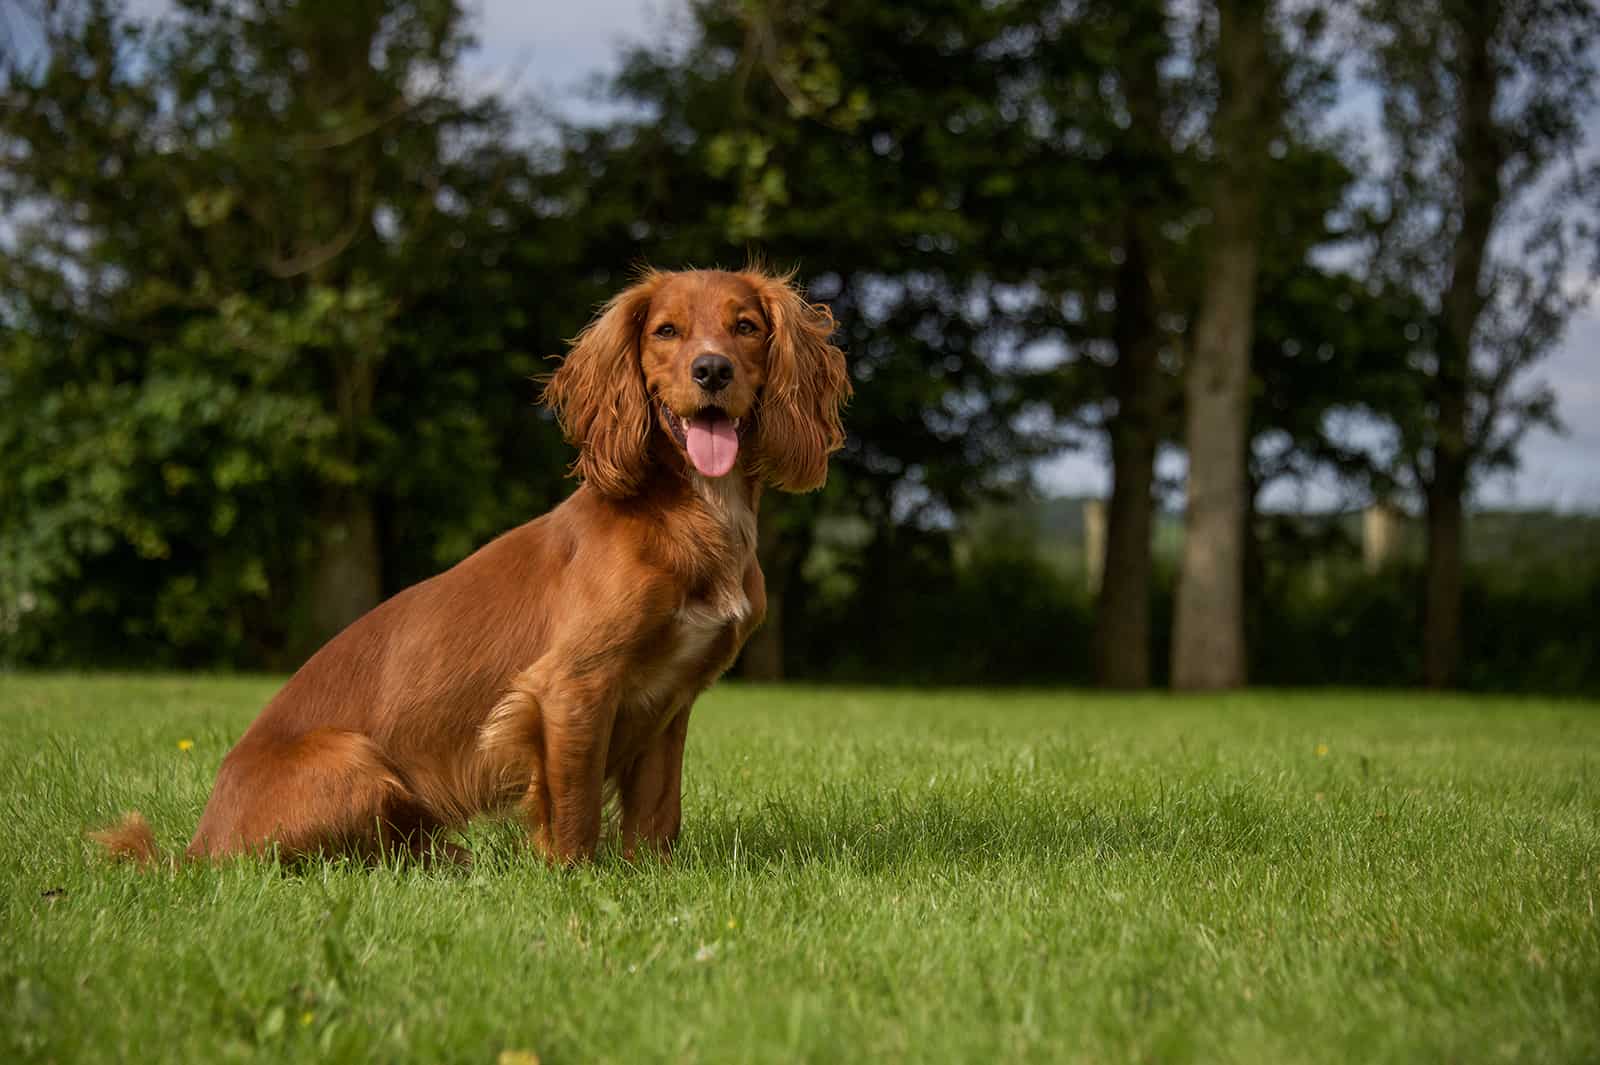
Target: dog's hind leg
[327,791]
[555,729]
[512,739]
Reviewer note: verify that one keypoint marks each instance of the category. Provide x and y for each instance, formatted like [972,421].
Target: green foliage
[864,875]
[265,257]
[1011,608]
[1350,629]
[272,266]
[894,140]
[906,610]
[179,469]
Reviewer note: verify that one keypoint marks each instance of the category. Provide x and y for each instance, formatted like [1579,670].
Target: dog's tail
[129,840]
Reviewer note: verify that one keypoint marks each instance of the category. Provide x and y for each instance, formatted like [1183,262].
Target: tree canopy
[278,279]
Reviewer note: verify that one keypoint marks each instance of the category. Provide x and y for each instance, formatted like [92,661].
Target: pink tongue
[713,443]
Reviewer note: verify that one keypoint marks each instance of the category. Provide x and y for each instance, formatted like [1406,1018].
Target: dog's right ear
[599,395]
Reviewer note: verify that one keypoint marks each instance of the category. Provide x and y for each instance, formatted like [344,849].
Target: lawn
[864,876]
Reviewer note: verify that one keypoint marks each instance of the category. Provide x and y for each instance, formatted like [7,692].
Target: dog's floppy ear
[806,385]
[599,395]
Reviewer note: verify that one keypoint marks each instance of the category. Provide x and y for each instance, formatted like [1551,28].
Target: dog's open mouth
[710,437]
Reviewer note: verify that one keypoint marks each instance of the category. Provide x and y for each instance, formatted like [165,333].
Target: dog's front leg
[651,790]
[577,736]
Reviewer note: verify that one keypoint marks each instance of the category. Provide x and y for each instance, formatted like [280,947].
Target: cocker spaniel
[557,665]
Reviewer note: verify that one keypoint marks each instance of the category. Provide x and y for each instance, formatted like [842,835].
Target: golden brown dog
[563,658]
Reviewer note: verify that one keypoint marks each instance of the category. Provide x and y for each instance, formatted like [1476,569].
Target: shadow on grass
[872,834]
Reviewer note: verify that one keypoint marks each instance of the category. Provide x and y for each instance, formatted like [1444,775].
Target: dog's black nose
[711,372]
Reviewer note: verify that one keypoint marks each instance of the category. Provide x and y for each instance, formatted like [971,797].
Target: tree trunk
[347,576]
[1122,622]
[1478,159]
[1252,567]
[1442,605]
[1208,638]
[346,582]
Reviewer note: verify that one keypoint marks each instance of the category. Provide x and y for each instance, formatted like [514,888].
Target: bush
[912,612]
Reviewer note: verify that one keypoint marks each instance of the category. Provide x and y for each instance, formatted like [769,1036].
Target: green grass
[864,876]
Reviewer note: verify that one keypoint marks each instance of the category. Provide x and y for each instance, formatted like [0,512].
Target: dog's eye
[666,331]
[746,327]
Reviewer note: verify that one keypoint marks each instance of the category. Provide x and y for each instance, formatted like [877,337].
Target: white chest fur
[698,624]
[728,499]
[678,670]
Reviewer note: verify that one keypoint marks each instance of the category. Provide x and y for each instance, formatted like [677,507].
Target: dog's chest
[688,652]
[700,638]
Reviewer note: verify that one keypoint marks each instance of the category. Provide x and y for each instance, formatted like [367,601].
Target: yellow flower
[1322,750]
[186,745]
[732,923]
[306,1018]
[518,1057]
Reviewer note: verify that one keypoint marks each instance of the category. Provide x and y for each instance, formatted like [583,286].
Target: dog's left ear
[807,384]
[600,398]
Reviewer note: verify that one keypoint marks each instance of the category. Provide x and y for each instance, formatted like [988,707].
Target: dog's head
[734,369]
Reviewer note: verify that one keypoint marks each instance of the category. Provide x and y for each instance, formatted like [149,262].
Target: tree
[1483,102]
[1151,197]
[264,281]
[1329,346]
[1208,638]
[883,149]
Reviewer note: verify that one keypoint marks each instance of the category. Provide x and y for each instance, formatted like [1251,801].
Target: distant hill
[1055,525]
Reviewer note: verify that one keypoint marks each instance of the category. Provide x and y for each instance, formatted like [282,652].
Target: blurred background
[1196,343]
